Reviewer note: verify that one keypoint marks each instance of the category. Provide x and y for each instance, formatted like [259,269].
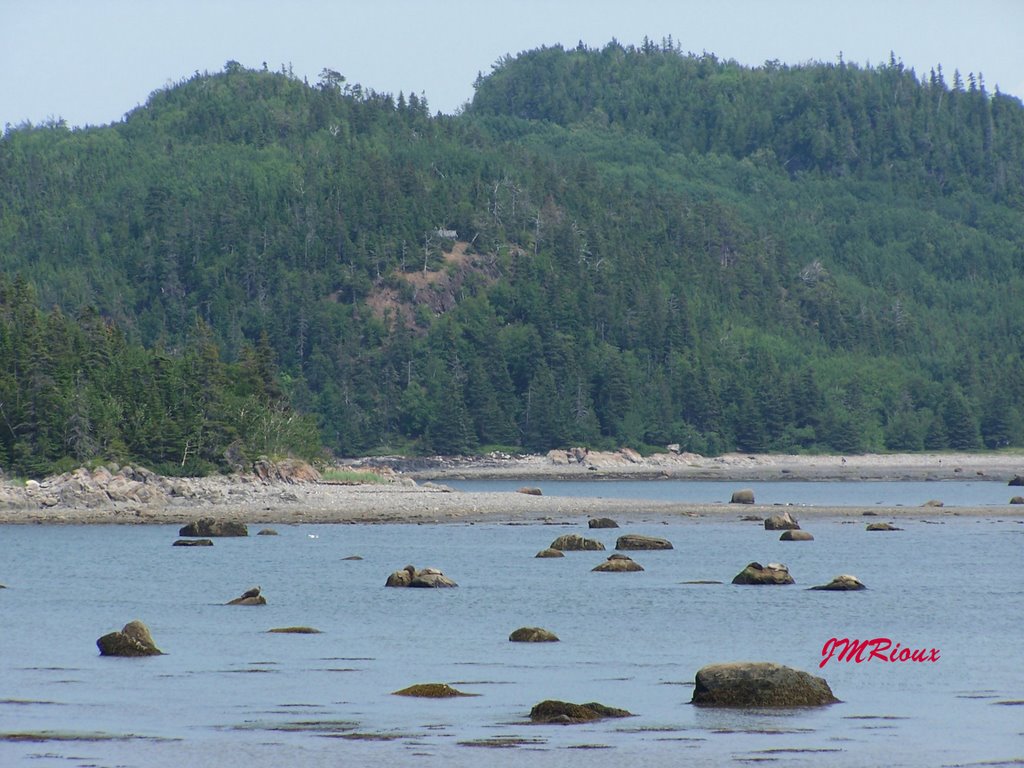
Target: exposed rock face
[549,552]
[425,578]
[748,684]
[431,691]
[781,522]
[755,573]
[533,635]
[842,583]
[797,535]
[133,640]
[565,713]
[882,527]
[193,543]
[573,542]
[249,597]
[601,522]
[742,496]
[208,526]
[284,471]
[618,564]
[634,541]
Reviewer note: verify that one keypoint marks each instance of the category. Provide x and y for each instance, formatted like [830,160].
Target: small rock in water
[533,635]
[755,573]
[431,691]
[882,527]
[249,597]
[566,713]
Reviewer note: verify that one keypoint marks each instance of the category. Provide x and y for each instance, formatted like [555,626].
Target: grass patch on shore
[352,477]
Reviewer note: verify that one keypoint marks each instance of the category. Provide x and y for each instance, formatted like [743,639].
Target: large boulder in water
[634,541]
[601,522]
[755,573]
[573,542]
[133,640]
[207,527]
[752,684]
[781,522]
[742,496]
[565,713]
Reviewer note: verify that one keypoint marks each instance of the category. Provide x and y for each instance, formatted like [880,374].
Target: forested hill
[607,247]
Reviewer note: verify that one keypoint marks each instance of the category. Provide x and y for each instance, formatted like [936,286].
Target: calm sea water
[229,694]
[909,493]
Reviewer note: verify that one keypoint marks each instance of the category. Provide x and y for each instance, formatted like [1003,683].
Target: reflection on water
[228,693]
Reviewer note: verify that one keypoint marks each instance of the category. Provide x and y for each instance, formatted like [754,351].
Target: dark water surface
[229,694]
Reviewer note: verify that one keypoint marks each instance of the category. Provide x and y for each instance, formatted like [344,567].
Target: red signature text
[878,649]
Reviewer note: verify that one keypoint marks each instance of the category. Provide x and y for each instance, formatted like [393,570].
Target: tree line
[623,246]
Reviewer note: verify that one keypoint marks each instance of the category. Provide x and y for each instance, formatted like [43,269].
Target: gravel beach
[414,491]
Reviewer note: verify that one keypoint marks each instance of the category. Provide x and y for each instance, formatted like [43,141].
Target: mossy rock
[431,691]
[566,713]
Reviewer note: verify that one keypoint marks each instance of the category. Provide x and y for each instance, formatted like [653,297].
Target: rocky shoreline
[414,490]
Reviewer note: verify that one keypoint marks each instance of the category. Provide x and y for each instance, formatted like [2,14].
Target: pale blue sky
[91,61]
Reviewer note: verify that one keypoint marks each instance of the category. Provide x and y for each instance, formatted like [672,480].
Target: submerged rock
[750,684]
[618,564]
[530,491]
[755,573]
[294,631]
[193,543]
[431,691]
[533,635]
[566,713]
[266,532]
[842,583]
[549,552]
[601,522]
[573,542]
[134,639]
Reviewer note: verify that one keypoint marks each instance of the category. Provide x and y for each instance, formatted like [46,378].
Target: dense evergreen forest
[624,246]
